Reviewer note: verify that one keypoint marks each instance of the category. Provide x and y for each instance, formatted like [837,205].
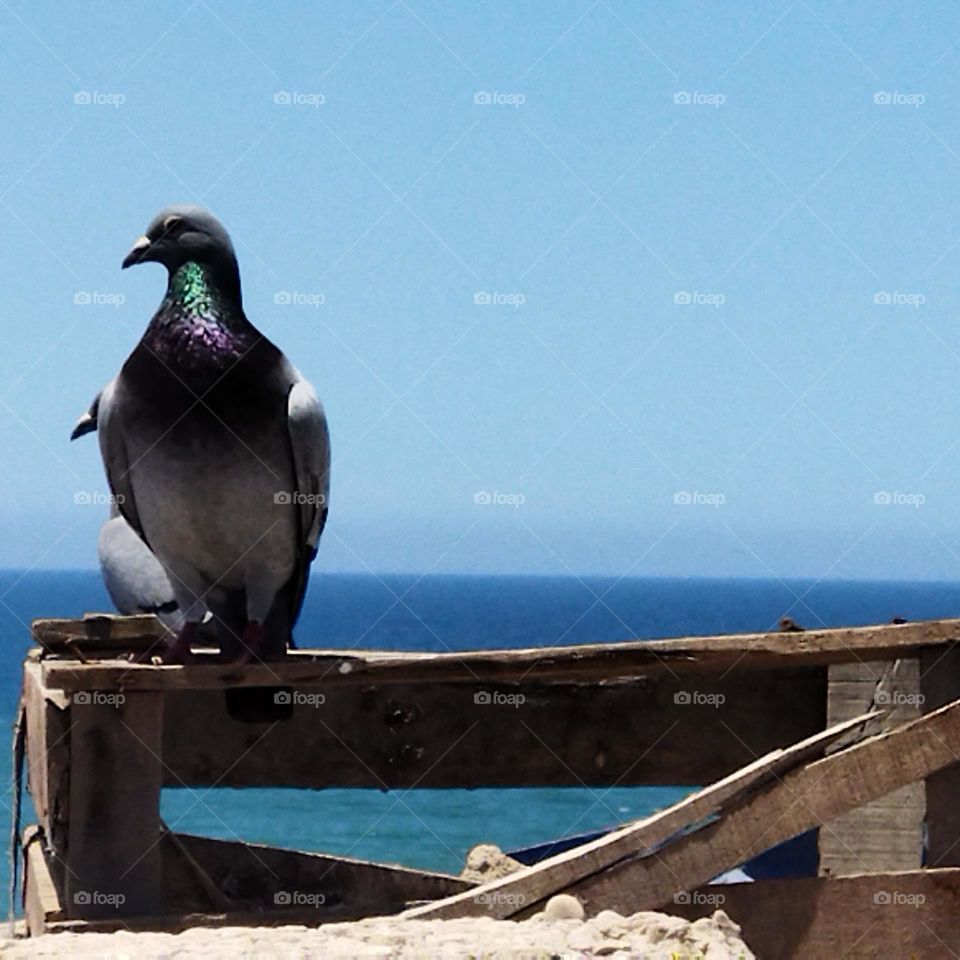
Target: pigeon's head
[184,233]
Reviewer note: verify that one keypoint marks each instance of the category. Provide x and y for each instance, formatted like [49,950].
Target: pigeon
[134,578]
[216,448]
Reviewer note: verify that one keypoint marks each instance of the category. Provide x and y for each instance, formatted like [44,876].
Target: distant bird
[216,448]
[789,625]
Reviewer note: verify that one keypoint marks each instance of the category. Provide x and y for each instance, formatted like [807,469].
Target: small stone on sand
[564,906]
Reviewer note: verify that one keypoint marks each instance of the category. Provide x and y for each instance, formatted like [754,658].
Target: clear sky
[580,260]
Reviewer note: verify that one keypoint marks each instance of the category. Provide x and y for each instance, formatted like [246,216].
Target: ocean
[434,829]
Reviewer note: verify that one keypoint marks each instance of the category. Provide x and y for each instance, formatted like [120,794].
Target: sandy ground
[647,935]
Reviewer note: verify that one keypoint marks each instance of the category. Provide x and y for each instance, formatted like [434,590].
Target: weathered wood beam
[878,915]
[112,860]
[48,760]
[939,684]
[98,633]
[610,662]
[41,902]
[809,796]
[254,877]
[886,834]
[520,891]
[663,730]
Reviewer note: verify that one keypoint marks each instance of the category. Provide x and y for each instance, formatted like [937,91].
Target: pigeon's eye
[172,225]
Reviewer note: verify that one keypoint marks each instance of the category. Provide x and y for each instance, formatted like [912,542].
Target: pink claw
[179,651]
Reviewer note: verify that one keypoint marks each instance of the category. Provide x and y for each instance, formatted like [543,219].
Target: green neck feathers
[191,287]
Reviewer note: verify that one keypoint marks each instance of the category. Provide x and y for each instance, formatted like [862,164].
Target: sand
[647,935]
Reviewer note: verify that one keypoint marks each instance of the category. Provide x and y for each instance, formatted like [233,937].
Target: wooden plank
[41,902]
[610,662]
[806,797]
[886,834]
[251,876]
[113,858]
[452,735]
[99,632]
[939,684]
[880,915]
[47,755]
[254,878]
[521,890]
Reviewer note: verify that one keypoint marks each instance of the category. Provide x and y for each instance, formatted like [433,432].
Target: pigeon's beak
[138,252]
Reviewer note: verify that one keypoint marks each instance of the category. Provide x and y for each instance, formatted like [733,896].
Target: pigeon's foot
[251,643]
[179,651]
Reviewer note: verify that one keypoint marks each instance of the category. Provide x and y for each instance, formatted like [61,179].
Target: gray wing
[114,453]
[310,446]
[134,578]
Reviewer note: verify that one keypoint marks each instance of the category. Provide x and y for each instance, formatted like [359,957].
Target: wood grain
[522,891]
[112,859]
[459,735]
[808,796]
[606,662]
[872,917]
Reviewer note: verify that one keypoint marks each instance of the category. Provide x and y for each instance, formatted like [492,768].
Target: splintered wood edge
[810,795]
[519,892]
[41,898]
[333,668]
[113,629]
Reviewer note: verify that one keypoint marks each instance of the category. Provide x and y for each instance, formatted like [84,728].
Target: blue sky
[674,288]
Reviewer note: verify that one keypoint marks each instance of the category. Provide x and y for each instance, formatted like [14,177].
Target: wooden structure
[854,732]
